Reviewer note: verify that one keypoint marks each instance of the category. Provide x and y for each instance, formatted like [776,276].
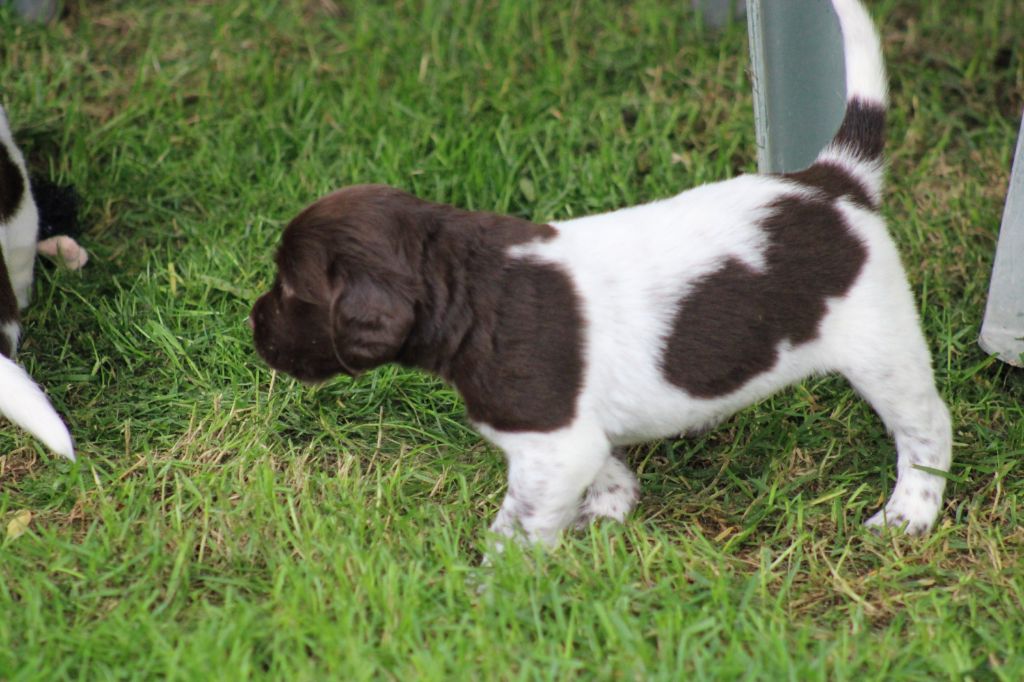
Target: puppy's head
[343,299]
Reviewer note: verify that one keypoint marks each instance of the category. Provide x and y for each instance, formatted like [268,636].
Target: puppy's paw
[613,495]
[907,511]
[64,249]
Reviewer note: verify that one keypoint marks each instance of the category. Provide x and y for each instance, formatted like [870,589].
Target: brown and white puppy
[21,400]
[569,339]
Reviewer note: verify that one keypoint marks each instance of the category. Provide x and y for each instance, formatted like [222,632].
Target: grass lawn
[225,523]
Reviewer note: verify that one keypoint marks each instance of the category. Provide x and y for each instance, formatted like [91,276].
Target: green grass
[224,523]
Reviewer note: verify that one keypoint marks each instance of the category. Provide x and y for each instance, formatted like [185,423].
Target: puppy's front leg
[547,476]
[612,495]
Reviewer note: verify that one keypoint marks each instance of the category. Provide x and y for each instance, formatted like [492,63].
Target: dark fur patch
[370,275]
[57,206]
[862,131]
[12,185]
[8,307]
[522,367]
[728,328]
[834,181]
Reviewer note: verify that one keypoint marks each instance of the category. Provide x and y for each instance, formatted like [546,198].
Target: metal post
[796,54]
[1002,332]
[716,13]
[42,11]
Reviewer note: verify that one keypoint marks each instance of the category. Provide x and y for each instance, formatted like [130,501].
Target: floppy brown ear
[304,270]
[370,321]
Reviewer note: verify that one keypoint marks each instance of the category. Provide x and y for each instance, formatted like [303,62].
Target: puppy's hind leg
[547,476]
[898,383]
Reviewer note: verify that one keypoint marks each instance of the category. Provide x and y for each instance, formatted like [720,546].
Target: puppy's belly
[671,418]
[641,411]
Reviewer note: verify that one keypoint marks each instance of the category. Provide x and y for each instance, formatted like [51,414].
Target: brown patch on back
[728,328]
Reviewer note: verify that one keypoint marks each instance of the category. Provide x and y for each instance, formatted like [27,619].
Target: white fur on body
[631,268]
[21,399]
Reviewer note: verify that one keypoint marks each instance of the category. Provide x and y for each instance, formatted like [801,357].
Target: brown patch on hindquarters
[862,136]
[835,182]
[371,274]
[728,328]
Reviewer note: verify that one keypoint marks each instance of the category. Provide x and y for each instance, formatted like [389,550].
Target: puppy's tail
[25,404]
[858,145]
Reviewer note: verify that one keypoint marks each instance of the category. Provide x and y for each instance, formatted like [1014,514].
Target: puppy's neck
[463,256]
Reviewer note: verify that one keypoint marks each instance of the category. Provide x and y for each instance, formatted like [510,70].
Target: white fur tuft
[862,49]
[25,404]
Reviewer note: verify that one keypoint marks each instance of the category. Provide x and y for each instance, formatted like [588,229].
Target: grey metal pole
[42,11]
[717,12]
[1002,331]
[796,54]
